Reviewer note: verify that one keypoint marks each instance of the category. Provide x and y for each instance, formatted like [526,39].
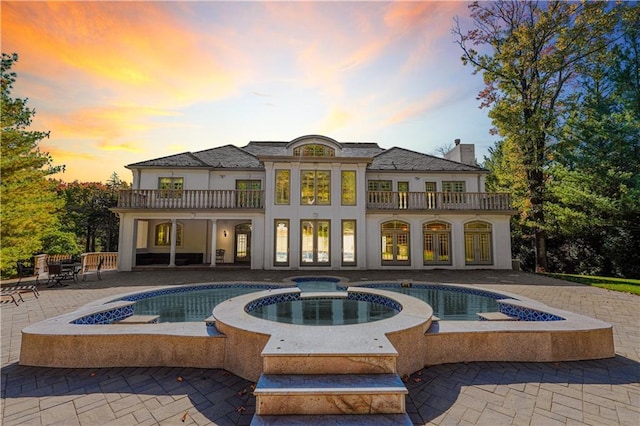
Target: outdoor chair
[25,271]
[97,271]
[22,289]
[220,256]
[57,274]
[8,292]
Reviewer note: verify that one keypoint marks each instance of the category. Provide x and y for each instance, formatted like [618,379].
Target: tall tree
[595,185]
[29,201]
[531,52]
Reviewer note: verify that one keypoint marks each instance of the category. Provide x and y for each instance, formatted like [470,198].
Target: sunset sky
[121,82]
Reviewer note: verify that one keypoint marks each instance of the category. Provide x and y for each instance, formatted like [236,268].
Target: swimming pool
[189,305]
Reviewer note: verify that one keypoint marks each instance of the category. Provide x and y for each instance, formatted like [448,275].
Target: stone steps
[334,420]
[331,394]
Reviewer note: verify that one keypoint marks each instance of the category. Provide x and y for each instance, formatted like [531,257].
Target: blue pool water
[192,304]
[323,311]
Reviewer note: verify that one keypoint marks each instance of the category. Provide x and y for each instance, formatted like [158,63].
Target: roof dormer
[314,146]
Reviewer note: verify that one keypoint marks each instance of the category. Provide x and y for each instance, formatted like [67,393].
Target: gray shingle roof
[406,160]
[185,159]
[230,156]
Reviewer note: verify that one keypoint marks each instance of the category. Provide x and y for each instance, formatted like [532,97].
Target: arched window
[477,243]
[163,234]
[395,243]
[436,237]
[314,150]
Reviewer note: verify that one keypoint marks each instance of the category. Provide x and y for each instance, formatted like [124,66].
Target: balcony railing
[190,199]
[384,200]
[254,199]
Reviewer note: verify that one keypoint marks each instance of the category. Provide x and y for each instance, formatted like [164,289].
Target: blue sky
[121,82]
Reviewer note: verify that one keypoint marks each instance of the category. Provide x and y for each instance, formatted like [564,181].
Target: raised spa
[324,310]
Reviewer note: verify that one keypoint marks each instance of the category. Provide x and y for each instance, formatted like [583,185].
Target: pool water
[197,305]
[323,311]
[189,306]
[449,305]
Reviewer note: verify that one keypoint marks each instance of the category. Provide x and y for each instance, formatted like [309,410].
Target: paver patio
[600,392]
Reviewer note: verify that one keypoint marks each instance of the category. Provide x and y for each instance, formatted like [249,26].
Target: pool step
[140,319]
[334,420]
[332,394]
[495,316]
[334,353]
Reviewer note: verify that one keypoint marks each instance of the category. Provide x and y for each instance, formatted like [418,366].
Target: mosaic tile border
[357,296]
[527,314]
[106,317]
[375,298]
[271,300]
[315,279]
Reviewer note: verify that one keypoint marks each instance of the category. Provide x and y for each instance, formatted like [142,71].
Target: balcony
[254,200]
[190,199]
[485,201]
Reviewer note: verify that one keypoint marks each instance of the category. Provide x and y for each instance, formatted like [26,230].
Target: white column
[174,235]
[214,241]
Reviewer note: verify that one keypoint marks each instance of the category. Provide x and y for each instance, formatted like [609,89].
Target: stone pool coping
[56,342]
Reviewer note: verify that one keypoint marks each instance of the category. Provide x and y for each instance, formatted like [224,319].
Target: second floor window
[248,193]
[454,191]
[170,187]
[283,182]
[314,150]
[349,188]
[315,187]
[379,192]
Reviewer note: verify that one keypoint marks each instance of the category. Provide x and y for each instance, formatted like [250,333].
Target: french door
[315,242]
[395,243]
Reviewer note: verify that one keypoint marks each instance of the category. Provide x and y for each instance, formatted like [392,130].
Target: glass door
[315,242]
[243,243]
[395,243]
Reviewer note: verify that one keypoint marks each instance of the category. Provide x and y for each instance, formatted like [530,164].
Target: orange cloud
[132,50]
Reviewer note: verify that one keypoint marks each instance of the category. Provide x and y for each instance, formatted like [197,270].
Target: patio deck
[586,392]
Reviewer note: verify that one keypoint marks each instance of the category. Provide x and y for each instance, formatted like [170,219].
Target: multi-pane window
[437,243]
[395,242]
[315,187]
[477,243]
[281,242]
[170,187]
[282,187]
[348,188]
[314,150]
[348,242]
[379,193]
[163,234]
[248,193]
[429,187]
[454,191]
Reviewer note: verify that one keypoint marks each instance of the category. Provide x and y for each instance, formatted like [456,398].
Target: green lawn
[624,285]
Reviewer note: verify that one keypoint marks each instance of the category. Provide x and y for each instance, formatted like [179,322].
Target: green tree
[87,212]
[532,51]
[595,176]
[29,200]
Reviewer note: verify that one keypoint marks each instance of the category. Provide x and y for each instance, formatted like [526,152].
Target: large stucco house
[313,203]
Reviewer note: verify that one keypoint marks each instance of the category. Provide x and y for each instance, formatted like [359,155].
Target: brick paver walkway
[601,392]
